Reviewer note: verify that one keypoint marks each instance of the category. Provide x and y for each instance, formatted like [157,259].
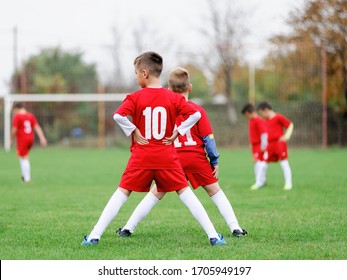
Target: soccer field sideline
[47,218]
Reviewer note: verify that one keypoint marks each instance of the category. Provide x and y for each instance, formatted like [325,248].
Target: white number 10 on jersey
[155,122]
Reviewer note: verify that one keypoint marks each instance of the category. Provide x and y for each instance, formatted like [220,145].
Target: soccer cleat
[255,187]
[217,242]
[239,233]
[91,242]
[123,232]
[25,181]
[287,187]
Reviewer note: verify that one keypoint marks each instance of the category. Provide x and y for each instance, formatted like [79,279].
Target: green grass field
[48,218]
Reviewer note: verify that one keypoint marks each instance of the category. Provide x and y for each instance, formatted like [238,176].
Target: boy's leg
[219,198]
[198,211]
[256,168]
[25,168]
[261,176]
[144,207]
[109,213]
[287,172]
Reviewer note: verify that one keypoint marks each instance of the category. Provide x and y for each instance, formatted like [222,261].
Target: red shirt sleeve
[127,107]
[15,122]
[284,121]
[33,121]
[204,125]
[261,126]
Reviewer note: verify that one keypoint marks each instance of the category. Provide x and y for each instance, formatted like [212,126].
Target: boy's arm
[288,133]
[127,126]
[183,128]
[13,134]
[211,150]
[189,123]
[263,141]
[39,132]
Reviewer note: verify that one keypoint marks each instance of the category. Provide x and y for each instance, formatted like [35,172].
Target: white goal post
[9,99]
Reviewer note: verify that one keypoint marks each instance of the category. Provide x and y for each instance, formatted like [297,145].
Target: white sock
[198,211]
[141,211]
[108,214]
[226,210]
[261,175]
[265,165]
[287,172]
[25,168]
[257,166]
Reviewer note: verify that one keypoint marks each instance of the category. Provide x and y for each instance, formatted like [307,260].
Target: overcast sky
[86,26]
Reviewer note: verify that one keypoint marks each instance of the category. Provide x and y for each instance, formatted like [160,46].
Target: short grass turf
[47,218]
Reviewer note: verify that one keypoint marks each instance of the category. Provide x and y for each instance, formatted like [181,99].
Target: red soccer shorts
[197,169]
[202,178]
[276,151]
[24,146]
[257,153]
[140,180]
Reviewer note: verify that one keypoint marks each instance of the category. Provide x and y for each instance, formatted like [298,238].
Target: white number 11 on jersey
[189,142]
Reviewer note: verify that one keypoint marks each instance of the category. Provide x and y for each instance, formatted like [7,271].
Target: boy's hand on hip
[170,140]
[139,138]
[215,171]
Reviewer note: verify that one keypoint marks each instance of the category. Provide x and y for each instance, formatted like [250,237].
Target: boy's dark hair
[248,107]
[18,105]
[150,61]
[179,80]
[264,105]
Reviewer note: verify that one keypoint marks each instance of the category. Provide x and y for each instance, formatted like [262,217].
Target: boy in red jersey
[23,126]
[277,148]
[258,140]
[153,157]
[191,149]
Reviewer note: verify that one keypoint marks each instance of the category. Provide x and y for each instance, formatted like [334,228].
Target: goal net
[80,120]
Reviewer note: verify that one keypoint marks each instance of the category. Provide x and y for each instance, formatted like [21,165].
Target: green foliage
[320,24]
[56,71]
[47,218]
[199,82]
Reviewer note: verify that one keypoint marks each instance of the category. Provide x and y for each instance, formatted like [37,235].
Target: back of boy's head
[18,106]
[264,105]
[248,108]
[179,80]
[150,61]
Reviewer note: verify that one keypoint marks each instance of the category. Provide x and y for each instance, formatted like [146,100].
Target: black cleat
[123,232]
[239,233]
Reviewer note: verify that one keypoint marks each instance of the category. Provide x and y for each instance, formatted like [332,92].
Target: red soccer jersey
[192,140]
[24,124]
[275,126]
[154,112]
[256,128]
[190,147]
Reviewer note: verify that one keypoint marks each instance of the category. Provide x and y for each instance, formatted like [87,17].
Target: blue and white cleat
[91,242]
[217,242]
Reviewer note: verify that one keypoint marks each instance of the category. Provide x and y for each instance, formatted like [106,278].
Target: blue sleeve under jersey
[211,149]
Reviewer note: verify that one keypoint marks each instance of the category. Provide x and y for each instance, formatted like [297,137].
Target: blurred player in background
[277,148]
[153,157]
[23,126]
[258,139]
[191,148]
